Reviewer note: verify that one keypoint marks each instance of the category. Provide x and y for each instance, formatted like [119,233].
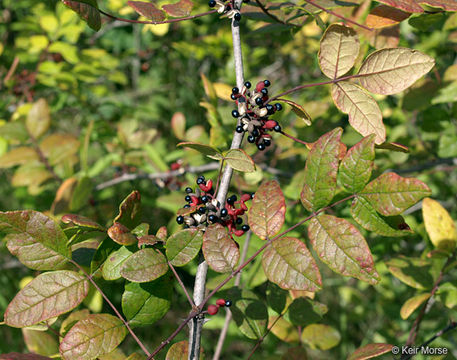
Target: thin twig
[157,22]
[415,328]
[189,298]
[11,70]
[228,314]
[138,341]
[259,342]
[294,138]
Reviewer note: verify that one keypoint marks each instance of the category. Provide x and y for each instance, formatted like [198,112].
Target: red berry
[213,309]
[220,302]
[270,124]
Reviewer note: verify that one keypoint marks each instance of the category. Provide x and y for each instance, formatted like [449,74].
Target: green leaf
[180,9]
[288,263]
[342,247]
[363,111]
[239,160]
[412,304]
[391,194]
[111,269]
[148,10]
[105,248]
[48,295]
[130,210]
[220,251]
[338,50]
[389,71]
[447,294]
[35,239]
[144,304]
[69,52]
[40,342]
[38,119]
[207,150]
[321,170]
[284,330]
[276,297]
[249,313]
[301,312]
[18,156]
[355,168]
[178,120]
[299,111]
[413,272]
[87,10]
[121,234]
[367,217]
[81,194]
[439,225]
[267,213]
[184,246]
[320,336]
[145,265]
[72,319]
[92,337]
[370,351]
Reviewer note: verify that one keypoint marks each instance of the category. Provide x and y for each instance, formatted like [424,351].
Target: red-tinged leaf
[412,304]
[299,111]
[389,71]
[162,233]
[144,304]
[35,239]
[207,150]
[363,111]
[288,263]
[370,351]
[184,246]
[48,295]
[356,166]
[121,234]
[321,170]
[239,160]
[267,213]
[72,319]
[180,351]
[393,147]
[130,211]
[320,336]
[178,125]
[342,247]
[413,272]
[220,251]
[180,9]
[367,217]
[81,222]
[338,51]
[414,6]
[19,356]
[382,16]
[188,210]
[147,9]
[390,194]
[111,269]
[87,10]
[145,265]
[148,240]
[92,337]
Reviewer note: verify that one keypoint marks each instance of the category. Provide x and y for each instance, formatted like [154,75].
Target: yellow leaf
[412,304]
[439,225]
[223,91]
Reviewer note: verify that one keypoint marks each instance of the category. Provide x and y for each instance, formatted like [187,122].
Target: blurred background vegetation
[78,108]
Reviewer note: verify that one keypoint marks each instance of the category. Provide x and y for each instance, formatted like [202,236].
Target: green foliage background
[116,92]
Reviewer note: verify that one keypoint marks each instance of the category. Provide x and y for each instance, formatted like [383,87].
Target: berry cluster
[228,8]
[213,309]
[254,114]
[203,209]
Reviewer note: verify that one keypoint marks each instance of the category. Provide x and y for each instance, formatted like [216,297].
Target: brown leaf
[179,9]
[121,234]
[414,6]
[382,16]
[148,10]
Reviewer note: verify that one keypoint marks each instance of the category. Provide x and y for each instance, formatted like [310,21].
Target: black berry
[188,198]
[188,190]
[200,180]
[212,3]
[239,129]
[252,195]
[267,82]
[186,206]
[278,106]
[261,147]
[232,199]
[255,133]
[233,97]
[235,90]
[251,138]
[237,17]
[212,218]
[228,303]
[245,228]
[270,109]
[202,210]
[247,84]
[239,221]
[224,212]
[180,220]
[204,199]
[264,91]
[259,101]
[277,128]
[266,142]
[235,113]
